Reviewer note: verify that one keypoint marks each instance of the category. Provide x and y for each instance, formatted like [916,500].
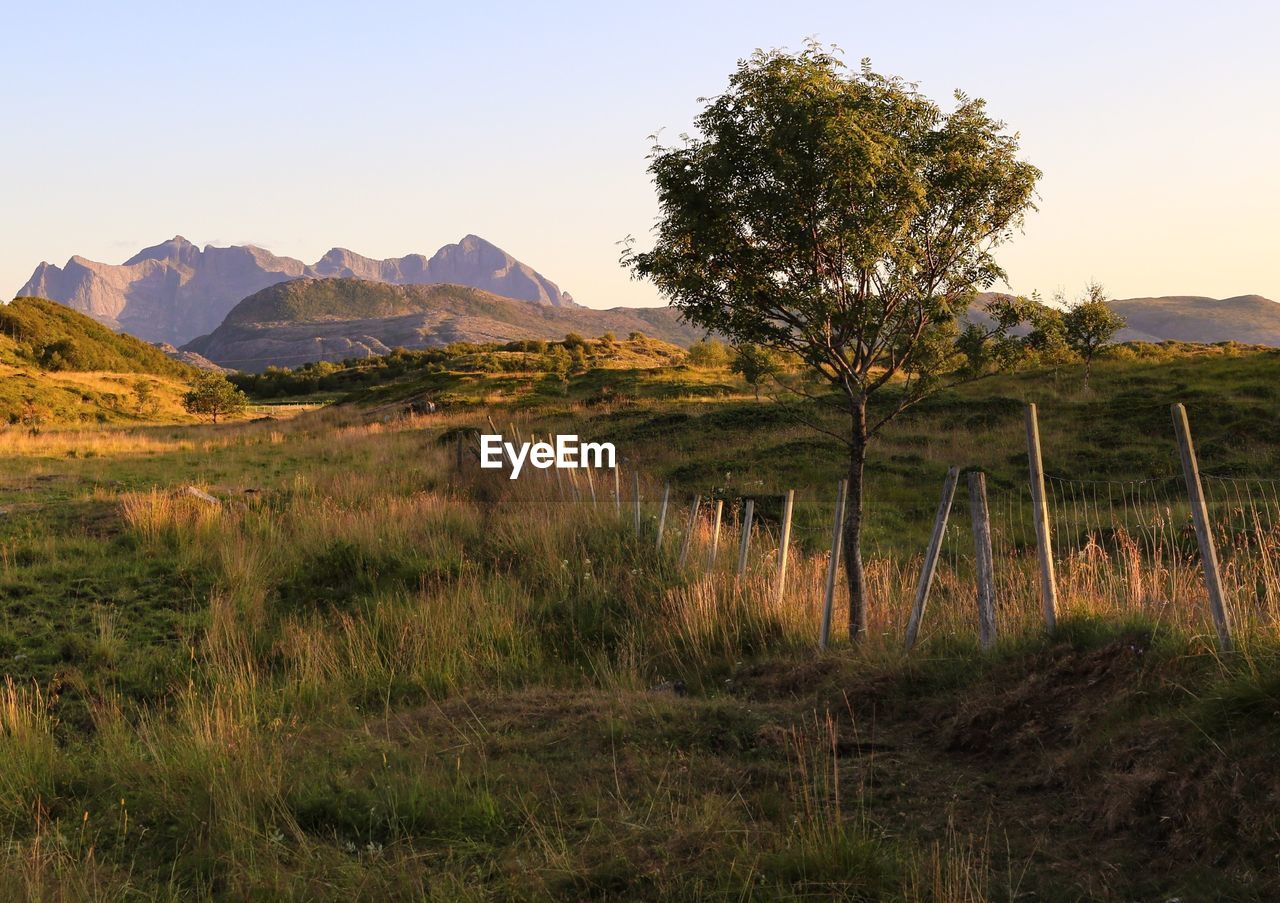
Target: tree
[1046,342]
[708,353]
[212,395]
[756,365]
[144,390]
[1089,325]
[844,217]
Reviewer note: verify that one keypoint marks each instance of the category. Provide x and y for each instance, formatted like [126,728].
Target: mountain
[174,291]
[1250,319]
[314,319]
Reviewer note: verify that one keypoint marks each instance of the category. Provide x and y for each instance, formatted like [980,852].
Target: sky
[394,128]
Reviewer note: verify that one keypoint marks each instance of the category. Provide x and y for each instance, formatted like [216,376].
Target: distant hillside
[174,291]
[52,337]
[1247,319]
[1250,319]
[191,358]
[334,319]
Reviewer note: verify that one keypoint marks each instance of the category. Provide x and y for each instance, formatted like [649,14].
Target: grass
[362,675]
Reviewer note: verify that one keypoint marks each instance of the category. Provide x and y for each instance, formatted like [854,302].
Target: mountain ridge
[1247,319]
[314,319]
[1252,319]
[175,291]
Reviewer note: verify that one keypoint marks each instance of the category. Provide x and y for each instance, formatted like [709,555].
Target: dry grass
[372,580]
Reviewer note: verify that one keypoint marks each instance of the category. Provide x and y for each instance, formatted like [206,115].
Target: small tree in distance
[708,353]
[144,390]
[212,395]
[847,219]
[1089,325]
[756,365]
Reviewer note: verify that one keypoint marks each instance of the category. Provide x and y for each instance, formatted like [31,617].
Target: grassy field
[361,674]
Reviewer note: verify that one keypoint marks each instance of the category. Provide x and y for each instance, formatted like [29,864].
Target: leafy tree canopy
[212,395]
[840,215]
[1089,325]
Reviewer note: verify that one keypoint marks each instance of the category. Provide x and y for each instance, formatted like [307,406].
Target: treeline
[571,355]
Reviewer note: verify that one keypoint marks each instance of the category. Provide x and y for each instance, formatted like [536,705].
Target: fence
[1147,546]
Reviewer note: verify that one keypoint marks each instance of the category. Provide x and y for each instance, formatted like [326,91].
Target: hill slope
[1247,319]
[174,291]
[1250,319]
[334,319]
[59,366]
[54,337]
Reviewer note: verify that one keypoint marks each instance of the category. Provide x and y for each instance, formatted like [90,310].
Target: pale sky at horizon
[394,128]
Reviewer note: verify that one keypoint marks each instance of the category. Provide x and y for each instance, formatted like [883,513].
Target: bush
[708,353]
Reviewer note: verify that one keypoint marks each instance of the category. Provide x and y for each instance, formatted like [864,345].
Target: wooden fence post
[662,513]
[744,545]
[715,535]
[617,491]
[688,533]
[591,484]
[833,565]
[1044,537]
[635,495]
[1204,533]
[983,558]
[784,542]
[930,566]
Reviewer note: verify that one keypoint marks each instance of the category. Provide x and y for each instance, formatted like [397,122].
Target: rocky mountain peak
[176,250]
[174,291]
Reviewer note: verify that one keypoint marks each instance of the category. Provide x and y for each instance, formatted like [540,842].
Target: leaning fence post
[591,484]
[833,565]
[617,492]
[688,533]
[931,554]
[662,513]
[981,518]
[1204,535]
[715,535]
[635,495]
[784,543]
[744,545]
[1044,537]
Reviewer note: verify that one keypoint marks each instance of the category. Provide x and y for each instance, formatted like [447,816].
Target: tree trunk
[853,570]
